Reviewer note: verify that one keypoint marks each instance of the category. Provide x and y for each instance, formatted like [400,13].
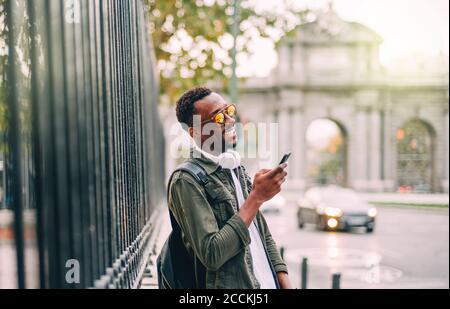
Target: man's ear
[191,131]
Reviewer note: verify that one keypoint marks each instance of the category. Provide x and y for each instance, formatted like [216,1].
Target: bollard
[282,253]
[336,279]
[304,274]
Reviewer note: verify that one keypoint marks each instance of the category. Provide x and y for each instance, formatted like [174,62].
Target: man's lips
[230,132]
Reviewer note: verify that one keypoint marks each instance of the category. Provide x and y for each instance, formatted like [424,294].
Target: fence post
[336,285]
[304,274]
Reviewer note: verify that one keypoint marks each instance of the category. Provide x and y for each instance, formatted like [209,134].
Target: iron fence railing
[81,147]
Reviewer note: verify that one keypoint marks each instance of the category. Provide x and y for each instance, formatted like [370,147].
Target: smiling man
[219,219]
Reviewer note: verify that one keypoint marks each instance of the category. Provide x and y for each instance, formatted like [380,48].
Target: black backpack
[177,268]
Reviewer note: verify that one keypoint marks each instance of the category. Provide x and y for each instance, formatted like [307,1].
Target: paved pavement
[409,249]
[8,254]
[440,199]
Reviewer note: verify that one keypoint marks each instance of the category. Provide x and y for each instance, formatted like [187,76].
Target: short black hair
[185,105]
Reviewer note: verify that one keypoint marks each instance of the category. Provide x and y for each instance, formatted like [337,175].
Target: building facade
[394,121]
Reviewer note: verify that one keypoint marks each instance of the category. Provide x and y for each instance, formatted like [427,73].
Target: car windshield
[340,197]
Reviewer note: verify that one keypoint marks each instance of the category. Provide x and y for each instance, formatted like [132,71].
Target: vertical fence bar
[83,147]
[50,178]
[14,139]
[97,141]
[106,134]
[36,76]
[112,131]
[90,140]
[140,172]
[72,139]
[103,150]
[96,122]
[118,177]
[61,136]
[87,254]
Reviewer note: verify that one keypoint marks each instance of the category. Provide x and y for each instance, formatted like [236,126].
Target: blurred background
[358,91]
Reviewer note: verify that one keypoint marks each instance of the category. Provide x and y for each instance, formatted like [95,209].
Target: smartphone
[285,158]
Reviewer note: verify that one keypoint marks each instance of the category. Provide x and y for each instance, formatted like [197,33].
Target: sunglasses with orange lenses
[220,117]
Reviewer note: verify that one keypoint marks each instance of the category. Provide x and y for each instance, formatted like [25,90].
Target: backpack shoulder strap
[198,173]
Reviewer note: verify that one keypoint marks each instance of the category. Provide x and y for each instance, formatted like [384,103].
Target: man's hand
[266,185]
[283,279]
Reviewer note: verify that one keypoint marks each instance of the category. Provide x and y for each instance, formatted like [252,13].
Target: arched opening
[415,149]
[327,153]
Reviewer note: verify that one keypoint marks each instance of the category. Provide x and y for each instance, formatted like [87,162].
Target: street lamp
[235,32]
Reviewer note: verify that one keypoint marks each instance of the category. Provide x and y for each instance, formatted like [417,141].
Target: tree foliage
[193,40]
[21,65]
[3,59]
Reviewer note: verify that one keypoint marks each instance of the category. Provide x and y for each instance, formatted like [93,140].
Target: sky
[407,27]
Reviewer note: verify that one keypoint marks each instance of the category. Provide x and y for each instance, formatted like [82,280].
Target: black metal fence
[81,144]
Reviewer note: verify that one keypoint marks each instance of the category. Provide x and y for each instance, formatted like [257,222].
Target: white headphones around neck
[230,159]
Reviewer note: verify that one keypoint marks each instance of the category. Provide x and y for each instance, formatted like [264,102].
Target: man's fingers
[275,171]
[281,181]
[262,172]
[279,176]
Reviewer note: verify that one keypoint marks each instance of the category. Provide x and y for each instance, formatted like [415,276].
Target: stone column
[361,136]
[268,141]
[298,159]
[285,57]
[389,151]
[284,137]
[446,154]
[375,151]
[298,65]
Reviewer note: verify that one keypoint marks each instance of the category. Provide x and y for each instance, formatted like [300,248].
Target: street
[408,249]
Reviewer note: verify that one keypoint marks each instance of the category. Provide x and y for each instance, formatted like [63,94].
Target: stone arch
[415,156]
[327,164]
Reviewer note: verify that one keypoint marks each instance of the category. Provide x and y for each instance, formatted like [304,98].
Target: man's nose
[229,120]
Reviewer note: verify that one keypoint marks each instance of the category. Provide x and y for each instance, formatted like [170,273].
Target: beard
[229,138]
[220,140]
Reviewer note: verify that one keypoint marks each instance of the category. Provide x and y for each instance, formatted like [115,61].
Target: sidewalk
[390,198]
[150,279]
[411,199]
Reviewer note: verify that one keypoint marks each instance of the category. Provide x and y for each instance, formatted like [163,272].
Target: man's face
[223,136]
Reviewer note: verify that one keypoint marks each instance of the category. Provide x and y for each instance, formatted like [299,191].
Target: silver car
[334,208]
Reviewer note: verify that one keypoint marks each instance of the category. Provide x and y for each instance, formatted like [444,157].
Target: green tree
[3,61]
[193,42]
[21,65]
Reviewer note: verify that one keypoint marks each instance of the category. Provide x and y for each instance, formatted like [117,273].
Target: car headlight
[333,212]
[372,212]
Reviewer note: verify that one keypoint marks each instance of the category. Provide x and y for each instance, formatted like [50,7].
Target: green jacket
[214,232]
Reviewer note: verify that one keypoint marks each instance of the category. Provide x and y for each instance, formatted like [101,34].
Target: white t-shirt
[261,266]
